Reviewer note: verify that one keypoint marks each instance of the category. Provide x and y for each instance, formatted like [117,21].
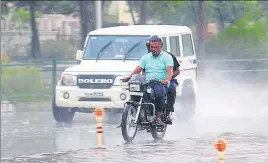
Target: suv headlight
[118,81]
[134,88]
[68,80]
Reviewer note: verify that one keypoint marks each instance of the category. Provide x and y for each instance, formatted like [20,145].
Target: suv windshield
[115,47]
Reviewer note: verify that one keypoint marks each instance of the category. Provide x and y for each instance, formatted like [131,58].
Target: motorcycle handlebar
[125,80]
[150,81]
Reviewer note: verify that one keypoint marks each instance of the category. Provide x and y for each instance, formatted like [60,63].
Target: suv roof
[140,30]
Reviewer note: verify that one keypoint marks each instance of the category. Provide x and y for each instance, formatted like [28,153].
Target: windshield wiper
[103,48]
[133,47]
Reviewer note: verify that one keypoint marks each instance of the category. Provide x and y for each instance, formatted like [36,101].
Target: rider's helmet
[153,38]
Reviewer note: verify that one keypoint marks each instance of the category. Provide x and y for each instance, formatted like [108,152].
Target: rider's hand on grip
[126,78]
[165,82]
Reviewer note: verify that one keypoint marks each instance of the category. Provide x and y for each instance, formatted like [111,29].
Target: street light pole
[98,13]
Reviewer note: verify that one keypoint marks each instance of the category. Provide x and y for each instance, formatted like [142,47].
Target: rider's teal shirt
[155,67]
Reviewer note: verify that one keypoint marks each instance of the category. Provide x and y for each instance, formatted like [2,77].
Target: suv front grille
[95,81]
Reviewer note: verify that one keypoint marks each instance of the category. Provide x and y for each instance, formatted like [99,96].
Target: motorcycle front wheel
[128,126]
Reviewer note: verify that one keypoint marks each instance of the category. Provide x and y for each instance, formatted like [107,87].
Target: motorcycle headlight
[68,80]
[134,87]
[118,81]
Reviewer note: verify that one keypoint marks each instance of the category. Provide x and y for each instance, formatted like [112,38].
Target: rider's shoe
[158,120]
[169,119]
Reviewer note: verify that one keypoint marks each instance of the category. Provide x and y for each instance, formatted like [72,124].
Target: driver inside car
[157,65]
[114,50]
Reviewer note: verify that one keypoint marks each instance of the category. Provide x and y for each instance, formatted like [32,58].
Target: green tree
[155,10]
[24,16]
[20,20]
[86,19]
[229,12]
[83,9]
[35,44]
[59,7]
[4,9]
[247,37]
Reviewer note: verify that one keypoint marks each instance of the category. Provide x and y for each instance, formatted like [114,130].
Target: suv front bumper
[74,97]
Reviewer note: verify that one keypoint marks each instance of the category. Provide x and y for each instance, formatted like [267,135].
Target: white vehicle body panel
[110,97]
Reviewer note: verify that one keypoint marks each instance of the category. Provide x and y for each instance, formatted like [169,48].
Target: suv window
[187,45]
[115,47]
[165,43]
[174,45]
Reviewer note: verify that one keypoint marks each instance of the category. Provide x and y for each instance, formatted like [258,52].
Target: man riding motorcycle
[171,96]
[157,65]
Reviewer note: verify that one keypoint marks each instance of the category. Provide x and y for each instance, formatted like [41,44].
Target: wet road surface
[36,137]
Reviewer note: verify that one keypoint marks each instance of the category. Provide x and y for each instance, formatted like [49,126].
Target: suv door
[174,42]
[164,43]
[174,46]
[188,60]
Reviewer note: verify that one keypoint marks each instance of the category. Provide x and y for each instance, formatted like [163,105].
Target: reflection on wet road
[36,137]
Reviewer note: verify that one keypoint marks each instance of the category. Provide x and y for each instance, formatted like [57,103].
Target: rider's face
[155,47]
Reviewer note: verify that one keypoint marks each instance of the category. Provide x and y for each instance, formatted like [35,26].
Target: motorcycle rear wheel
[159,135]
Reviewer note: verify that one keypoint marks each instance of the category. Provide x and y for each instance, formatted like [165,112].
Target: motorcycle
[139,112]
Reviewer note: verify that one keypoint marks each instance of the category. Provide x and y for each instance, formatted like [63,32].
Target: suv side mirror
[79,55]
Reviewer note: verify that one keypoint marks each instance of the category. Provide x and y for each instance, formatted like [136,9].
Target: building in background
[50,27]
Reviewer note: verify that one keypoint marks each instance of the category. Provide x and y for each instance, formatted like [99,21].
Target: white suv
[111,53]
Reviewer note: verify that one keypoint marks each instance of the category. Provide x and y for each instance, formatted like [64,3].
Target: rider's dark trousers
[171,95]
[159,91]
